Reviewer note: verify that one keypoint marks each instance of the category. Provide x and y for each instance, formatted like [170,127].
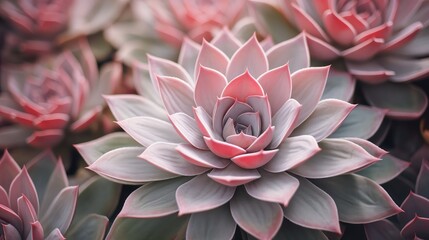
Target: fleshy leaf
[209,193]
[98,196]
[55,235]
[226,42]
[358,199]
[223,149]
[292,152]
[211,58]
[162,67]
[92,150]
[293,52]
[37,230]
[285,121]
[148,130]
[338,156]
[338,28]
[312,208]
[208,88]
[9,216]
[27,213]
[406,69]
[277,85]
[93,226]
[325,119]
[213,224]
[201,158]
[187,128]
[249,57]
[307,88]
[23,185]
[10,232]
[385,170]
[43,163]
[278,188]
[165,156]
[410,105]
[177,95]
[155,199]
[362,122]
[259,218]
[235,88]
[124,166]
[125,106]
[57,181]
[370,147]
[233,175]
[254,160]
[9,170]
[340,85]
[45,138]
[60,213]
[188,55]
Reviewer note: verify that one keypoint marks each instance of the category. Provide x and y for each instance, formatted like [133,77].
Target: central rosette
[240,126]
[234,118]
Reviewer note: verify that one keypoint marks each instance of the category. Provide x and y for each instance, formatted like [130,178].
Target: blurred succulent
[241,137]
[379,41]
[33,26]
[36,202]
[176,19]
[43,101]
[163,25]
[414,221]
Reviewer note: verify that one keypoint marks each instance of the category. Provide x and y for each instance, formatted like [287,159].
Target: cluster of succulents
[205,119]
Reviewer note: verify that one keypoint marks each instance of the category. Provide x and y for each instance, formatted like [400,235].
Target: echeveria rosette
[36,202]
[33,26]
[42,102]
[381,42]
[414,219]
[241,138]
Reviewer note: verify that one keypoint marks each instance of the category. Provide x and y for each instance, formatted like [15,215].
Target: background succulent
[379,41]
[44,208]
[32,26]
[41,102]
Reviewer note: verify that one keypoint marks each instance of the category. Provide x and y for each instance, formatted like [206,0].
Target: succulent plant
[379,41]
[241,137]
[194,19]
[36,202]
[414,220]
[33,26]
[42,101]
